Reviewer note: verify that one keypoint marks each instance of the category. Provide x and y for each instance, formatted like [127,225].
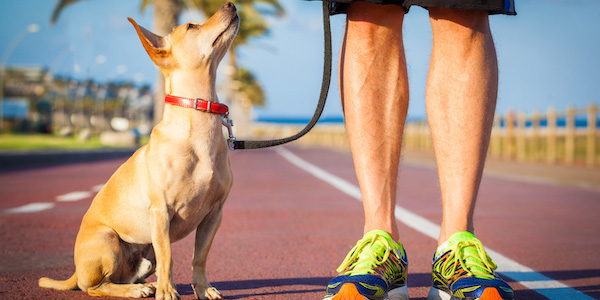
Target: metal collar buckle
[208,104]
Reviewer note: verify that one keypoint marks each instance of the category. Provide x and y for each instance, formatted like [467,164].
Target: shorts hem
[501,7]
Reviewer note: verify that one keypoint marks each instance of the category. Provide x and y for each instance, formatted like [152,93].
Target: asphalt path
[291,218]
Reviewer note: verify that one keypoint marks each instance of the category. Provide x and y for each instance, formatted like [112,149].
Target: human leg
[461,99]
[374,88]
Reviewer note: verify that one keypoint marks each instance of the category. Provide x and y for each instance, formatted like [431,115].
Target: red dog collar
[198,104]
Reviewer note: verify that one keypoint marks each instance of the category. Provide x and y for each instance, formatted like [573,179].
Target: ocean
[581,122]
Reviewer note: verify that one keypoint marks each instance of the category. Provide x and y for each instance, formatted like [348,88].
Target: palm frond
[206,7]
[249,87]
[252,25]
[271,4]
[145,4]
[59,8]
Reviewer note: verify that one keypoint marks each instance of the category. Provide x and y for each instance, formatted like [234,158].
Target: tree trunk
[240,106]
[166,15]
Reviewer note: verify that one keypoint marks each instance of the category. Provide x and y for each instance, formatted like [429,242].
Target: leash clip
[229,124]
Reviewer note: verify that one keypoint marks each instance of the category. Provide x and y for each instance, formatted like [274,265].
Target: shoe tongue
[467,252]
[378,244]
[461,236]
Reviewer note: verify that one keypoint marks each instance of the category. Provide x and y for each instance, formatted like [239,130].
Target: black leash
[319,110]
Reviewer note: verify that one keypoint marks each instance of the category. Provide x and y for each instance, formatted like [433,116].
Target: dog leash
[234,144]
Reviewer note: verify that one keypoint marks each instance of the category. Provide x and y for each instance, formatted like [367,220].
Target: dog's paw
[140,291]
[212,294]
[209,293]
[167,293]
[151,285]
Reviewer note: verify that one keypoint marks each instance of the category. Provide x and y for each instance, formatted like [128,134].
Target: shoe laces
[471,256]
[367,255]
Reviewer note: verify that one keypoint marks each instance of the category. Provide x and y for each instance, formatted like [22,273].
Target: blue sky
[548,53]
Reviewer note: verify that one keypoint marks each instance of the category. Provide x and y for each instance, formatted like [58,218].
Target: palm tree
[166,15]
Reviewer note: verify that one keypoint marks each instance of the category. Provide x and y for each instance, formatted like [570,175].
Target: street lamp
[31,28]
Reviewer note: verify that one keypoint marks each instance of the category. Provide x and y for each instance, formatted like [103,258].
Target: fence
[569,137]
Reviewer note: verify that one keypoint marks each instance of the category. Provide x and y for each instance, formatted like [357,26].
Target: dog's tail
[62,285]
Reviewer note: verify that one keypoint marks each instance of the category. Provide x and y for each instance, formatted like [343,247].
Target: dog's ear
[157,46]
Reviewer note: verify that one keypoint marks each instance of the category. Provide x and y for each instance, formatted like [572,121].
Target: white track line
[548,287]
[73,196]
[29,208]
[97,188]
[41,206]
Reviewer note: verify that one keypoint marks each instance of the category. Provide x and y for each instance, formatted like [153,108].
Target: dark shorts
[506,7]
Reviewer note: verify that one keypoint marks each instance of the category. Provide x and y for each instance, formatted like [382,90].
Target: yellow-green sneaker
[462,270]
[375,269]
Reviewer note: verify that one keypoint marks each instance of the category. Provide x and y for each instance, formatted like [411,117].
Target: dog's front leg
[205,234]
[160,220]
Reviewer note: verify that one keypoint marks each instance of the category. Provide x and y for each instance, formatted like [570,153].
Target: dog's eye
[191,26]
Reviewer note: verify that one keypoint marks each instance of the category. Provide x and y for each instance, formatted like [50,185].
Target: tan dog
[174,185]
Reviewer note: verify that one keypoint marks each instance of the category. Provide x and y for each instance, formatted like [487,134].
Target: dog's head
[192,45]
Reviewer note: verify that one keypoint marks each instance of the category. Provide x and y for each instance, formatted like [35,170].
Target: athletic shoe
[375,269]
[462,270]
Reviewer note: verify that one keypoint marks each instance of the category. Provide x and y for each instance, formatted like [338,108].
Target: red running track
[285,231]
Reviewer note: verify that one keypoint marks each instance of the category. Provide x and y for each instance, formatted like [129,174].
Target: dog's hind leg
[205,234]
[137,290]
[102,261]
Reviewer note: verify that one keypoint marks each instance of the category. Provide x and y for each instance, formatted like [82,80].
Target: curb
[19,160]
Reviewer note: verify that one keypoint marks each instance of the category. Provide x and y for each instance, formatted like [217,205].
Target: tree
[166,15]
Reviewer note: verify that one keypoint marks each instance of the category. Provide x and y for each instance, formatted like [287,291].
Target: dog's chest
[192,202]
[192,178]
